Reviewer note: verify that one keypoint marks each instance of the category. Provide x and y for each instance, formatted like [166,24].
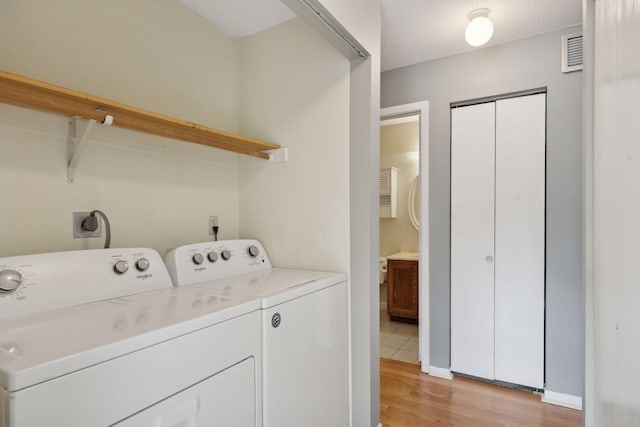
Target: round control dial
[197,259]
[10,280]
[226,255]
[142,264]
[212,256]
[253,251]
[121,267]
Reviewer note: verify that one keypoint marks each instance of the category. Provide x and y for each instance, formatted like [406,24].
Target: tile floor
[398,340]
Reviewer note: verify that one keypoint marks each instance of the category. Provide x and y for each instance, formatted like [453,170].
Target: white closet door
[519,240]
[472,233]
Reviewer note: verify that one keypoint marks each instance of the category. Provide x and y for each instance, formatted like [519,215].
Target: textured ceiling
[412,30]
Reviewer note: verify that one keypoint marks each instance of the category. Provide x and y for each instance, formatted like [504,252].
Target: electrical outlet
[213,222]
[78,232]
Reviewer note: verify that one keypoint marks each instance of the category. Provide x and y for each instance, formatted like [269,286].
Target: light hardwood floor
[411,398]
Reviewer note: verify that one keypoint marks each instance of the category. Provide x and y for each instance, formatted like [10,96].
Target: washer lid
[43,346]
[273,286]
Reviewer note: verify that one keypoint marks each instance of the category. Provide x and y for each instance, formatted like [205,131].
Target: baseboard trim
[562,399]
[445,373]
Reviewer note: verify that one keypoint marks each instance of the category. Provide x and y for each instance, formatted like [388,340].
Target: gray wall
[516,66]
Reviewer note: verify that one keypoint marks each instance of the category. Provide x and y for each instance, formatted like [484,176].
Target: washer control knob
[142,264]
[212,256]
[253,251]
[121,267]
[197,259]
[10,280]
[226,255]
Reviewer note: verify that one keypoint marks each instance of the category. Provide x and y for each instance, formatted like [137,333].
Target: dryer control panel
[206,261]
[34,283]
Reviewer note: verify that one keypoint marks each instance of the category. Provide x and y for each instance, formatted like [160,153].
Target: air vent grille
[572,52]
[385,183]
[388,192]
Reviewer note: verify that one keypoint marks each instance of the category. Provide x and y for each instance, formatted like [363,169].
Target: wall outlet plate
[78,233]
[213,222]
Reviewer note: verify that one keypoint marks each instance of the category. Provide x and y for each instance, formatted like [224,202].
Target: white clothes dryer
[304,327]
[101,338]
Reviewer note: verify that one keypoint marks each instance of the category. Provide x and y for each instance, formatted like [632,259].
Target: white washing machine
[304,327]
[101,337]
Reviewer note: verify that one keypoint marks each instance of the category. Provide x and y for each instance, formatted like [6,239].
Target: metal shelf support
[75,146]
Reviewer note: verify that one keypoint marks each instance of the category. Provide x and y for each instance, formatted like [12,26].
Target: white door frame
[422,110]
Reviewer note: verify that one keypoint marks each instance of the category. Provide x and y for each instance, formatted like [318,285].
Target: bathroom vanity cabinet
[402,286]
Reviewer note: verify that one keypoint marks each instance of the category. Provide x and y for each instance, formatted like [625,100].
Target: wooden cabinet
[402,289]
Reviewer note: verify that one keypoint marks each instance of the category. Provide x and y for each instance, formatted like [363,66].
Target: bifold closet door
[472,239]
[520,240]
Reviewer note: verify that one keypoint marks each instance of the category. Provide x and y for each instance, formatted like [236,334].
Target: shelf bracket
[75,146]
[279,155]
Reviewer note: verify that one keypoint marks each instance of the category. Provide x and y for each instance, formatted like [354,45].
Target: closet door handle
[488,258]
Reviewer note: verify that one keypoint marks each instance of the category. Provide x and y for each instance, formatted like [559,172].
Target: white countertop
[405,256]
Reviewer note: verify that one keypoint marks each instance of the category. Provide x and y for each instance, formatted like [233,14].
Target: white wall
[616,209]
[150,54]
[588,26]
[361,19]
[295,91]
[399,147]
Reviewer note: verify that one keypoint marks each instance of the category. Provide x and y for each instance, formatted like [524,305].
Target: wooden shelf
[25,92]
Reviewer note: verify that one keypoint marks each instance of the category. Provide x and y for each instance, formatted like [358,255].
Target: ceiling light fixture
[480,28]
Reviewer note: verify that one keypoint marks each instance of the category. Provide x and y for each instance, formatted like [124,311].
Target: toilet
[383,270]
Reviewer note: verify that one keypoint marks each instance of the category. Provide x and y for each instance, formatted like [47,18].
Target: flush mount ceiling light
[480,28]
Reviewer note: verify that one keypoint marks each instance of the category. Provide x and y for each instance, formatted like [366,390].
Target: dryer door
[225,399]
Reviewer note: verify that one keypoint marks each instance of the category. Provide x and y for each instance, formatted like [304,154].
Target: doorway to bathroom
[404,234]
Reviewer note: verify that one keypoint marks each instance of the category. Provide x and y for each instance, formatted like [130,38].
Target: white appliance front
[117,389]
[304,327]
[185,357]
[304,356]
[224,399]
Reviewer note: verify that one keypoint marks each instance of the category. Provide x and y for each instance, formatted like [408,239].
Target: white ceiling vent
[572,52]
